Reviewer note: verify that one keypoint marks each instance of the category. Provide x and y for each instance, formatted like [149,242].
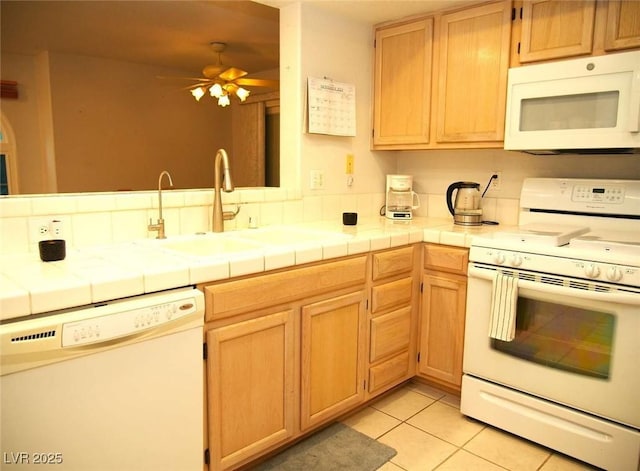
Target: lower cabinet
[442,316]
[251,384]
[290,350]
[392,318]
[333,348]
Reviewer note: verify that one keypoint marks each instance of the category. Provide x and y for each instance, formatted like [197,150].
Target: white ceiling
[175,33]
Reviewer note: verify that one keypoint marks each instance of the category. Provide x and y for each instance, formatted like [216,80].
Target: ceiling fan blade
[232,73]
[212,71]
[256,82]
[198,79]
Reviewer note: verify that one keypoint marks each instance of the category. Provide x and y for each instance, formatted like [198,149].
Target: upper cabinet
[622,30]
[402,93]
[440,81]
[552,29]
[558,29]
[471,72]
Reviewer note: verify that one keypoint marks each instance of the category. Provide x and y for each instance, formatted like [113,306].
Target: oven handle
[617,297]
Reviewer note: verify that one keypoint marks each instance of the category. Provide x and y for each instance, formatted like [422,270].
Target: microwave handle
[634,105]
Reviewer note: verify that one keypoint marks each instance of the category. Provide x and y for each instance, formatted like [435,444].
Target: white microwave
[589,105]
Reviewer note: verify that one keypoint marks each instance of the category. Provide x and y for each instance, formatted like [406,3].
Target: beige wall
[115,126]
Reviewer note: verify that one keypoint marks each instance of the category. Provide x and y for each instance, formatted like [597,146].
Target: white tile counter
[100,273]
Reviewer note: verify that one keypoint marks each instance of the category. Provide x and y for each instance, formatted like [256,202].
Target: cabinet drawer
[235,297]
[392,370]
[391,294]
[446,258]
[390,333]
[392,262]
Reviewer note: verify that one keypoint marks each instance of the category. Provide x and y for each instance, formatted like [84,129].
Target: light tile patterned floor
[426,428]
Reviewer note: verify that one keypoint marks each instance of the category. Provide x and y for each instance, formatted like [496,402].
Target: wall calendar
[331,107]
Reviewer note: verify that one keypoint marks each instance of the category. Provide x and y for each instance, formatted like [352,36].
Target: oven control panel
[562,266]
[608,194]
[577,196]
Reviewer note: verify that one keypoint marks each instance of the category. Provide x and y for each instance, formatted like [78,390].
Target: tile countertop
[102,273]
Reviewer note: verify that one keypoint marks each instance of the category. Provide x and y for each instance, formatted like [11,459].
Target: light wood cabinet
[451,95]
[442,316]
[392,318]
[332,352]
[254,339]
[622,27]
[553,29]
[402,83]
[293,349]
[251,374]
[471,68]
[559,29]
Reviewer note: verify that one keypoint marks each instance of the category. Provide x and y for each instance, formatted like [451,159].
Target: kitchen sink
[287,235]
[204,245]
[211,244]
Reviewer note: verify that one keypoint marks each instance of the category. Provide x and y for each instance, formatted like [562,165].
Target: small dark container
[349,219]
[52,250]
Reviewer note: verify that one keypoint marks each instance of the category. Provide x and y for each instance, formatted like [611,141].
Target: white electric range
[552,337]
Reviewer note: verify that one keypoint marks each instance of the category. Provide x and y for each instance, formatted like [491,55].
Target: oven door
[574,344]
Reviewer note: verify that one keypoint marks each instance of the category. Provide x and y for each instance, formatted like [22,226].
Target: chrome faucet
[225,182]
[159,226]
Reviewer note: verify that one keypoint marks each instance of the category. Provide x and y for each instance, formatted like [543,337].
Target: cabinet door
[472,69]
[442,328]
[623,25]
[333,357]
[553,29]
[250,377]
[402,84]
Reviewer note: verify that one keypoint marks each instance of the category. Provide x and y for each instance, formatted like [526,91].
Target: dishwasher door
[132,402]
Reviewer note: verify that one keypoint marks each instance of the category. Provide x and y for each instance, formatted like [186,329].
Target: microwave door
[557,106]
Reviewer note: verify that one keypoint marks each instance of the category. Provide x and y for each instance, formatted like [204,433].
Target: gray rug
[337,447]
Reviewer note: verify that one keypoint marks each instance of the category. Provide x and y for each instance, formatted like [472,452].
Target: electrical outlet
[38,229]
[496,183]
[317,180]
[350,164]
[45,228]
[55,228]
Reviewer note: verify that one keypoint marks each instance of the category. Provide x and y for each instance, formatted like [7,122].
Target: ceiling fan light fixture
[198,93]
[224,100]
[216,90]
[242,93]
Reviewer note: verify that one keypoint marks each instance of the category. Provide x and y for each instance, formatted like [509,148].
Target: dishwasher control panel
[103,328]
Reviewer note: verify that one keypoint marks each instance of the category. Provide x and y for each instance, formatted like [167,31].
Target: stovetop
[552,235]
[567,223]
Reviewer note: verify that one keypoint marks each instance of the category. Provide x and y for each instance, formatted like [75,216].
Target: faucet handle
[228,215]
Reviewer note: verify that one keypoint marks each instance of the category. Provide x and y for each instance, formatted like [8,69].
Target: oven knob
[592,270]
[498,258]
[516,260]
[614,274]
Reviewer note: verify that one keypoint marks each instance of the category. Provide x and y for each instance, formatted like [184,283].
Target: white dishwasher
[115,386]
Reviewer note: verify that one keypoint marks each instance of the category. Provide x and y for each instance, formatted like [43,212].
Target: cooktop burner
[549,235]
[619,242]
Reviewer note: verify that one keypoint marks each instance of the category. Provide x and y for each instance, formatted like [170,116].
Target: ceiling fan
[221,81]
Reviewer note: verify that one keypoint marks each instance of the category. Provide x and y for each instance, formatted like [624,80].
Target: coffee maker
[401,200]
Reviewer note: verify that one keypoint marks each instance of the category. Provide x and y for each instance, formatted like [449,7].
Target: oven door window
[562,337]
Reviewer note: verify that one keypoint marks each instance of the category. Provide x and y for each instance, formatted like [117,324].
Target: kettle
[466,210]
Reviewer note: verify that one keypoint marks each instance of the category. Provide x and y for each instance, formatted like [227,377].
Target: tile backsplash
[103,218]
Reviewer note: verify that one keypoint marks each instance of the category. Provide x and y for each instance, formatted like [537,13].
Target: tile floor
[426,428]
